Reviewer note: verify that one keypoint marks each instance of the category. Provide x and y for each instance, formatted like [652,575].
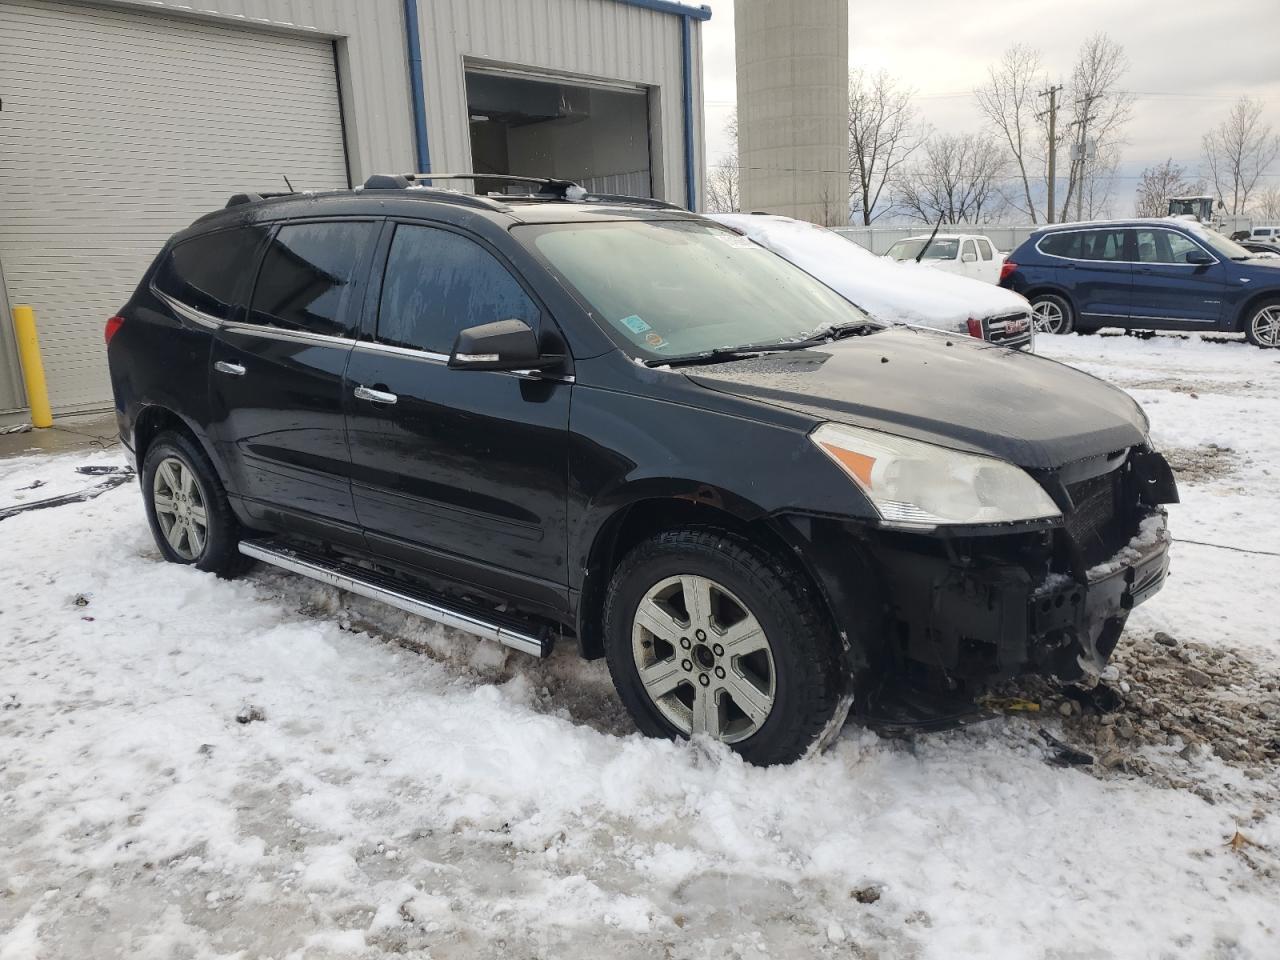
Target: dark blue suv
[1155,274]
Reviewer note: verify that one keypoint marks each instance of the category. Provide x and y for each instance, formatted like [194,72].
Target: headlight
[920,483]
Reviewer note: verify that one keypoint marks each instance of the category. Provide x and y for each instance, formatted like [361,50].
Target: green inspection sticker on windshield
[635,324]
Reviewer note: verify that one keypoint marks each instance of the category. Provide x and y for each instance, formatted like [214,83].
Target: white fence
[879,239]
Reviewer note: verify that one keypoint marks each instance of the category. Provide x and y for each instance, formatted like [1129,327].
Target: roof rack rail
[560,189]
[636,201]
[550,188]
[238,199]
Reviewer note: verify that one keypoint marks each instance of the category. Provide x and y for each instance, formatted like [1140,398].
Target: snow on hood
[888,290]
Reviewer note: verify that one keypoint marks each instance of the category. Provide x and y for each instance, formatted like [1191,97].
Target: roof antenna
[288,184]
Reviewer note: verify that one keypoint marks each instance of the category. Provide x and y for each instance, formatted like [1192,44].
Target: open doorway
[596,136]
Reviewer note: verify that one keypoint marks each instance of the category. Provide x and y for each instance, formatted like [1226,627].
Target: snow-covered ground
[451,799]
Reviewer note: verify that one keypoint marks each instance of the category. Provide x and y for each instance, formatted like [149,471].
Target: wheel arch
[1055,290]
[155,419]
[651,510]
[1252,303]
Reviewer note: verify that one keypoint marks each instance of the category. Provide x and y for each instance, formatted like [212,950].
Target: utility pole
[1052,94]
[1083,123]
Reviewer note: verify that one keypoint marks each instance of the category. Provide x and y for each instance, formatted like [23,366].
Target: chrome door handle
[375,396]
[235,369]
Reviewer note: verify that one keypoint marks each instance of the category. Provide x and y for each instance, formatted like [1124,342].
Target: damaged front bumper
[1073,626]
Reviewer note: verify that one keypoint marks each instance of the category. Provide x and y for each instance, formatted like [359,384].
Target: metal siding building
[123,120]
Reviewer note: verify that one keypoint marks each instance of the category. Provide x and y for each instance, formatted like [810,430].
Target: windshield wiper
[835,331]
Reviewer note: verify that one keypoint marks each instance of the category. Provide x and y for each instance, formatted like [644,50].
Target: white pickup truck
[964,254]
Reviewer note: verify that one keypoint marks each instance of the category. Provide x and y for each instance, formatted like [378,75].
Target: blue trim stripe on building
[690,179]
[668,6]
[416,88]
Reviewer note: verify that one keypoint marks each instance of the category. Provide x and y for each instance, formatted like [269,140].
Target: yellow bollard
[24,323]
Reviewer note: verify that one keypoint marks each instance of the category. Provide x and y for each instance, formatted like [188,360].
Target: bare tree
[1099,110]
[1010,101]
[1266,205]
[883,134]
[722,176]
[956,178]
[722,185]
[1157,184]
[1238,152]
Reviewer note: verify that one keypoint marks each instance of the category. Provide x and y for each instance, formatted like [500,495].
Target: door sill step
[450,612]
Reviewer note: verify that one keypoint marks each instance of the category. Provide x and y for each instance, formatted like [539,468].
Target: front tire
[1262,325]
[1052,314]
[187,507]
[707,634]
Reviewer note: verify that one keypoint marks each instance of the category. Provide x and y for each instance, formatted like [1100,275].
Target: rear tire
[187,507]
[678,607]
[1262,324]
[1052,314]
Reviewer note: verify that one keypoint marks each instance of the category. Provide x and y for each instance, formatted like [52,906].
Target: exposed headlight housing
[922,484]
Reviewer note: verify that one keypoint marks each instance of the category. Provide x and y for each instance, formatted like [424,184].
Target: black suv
[608,420]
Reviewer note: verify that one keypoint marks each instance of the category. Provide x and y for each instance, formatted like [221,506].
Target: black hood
[957,392]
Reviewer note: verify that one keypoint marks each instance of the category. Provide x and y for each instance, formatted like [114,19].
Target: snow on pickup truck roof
[883,288]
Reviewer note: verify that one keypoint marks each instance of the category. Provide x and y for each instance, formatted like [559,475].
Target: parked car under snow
[903,292]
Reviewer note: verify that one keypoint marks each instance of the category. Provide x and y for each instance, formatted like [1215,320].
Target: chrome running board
[376,586]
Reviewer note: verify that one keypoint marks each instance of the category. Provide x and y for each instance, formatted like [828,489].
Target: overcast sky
[1189,59]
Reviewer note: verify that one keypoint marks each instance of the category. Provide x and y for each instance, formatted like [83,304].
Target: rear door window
[984,247]
[212,273]
[438,283]
[308,275]
[1102,245]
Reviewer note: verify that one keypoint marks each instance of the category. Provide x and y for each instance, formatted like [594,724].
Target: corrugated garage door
[119,128]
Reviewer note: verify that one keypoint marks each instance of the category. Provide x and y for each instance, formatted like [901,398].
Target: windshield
[1222,246]
[678,287]
[940,249]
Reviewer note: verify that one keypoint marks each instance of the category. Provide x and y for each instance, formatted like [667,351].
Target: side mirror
[502,345]
[1199,258]
[969,258]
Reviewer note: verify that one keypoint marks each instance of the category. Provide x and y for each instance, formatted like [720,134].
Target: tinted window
[307,276]
[1062,245]
[439,283]
[1102,245]
[211,273]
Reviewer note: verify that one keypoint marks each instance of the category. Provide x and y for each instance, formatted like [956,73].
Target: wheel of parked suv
[1051,314]
[187,508]
[1262,327]
[705,633]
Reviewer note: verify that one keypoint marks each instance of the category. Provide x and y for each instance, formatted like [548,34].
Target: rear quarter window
[1061,244]
[211,273]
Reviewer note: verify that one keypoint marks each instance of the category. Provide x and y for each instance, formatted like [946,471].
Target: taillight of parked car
[1006,270]
[114,324]
[975,327]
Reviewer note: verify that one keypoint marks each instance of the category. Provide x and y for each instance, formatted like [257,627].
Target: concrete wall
[793,66]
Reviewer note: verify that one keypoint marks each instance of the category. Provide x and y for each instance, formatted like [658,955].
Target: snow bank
[903,292]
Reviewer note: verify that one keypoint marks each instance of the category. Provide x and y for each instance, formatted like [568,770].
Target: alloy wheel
[1266,326]
[1048,316]
[703,658]
[180,508]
